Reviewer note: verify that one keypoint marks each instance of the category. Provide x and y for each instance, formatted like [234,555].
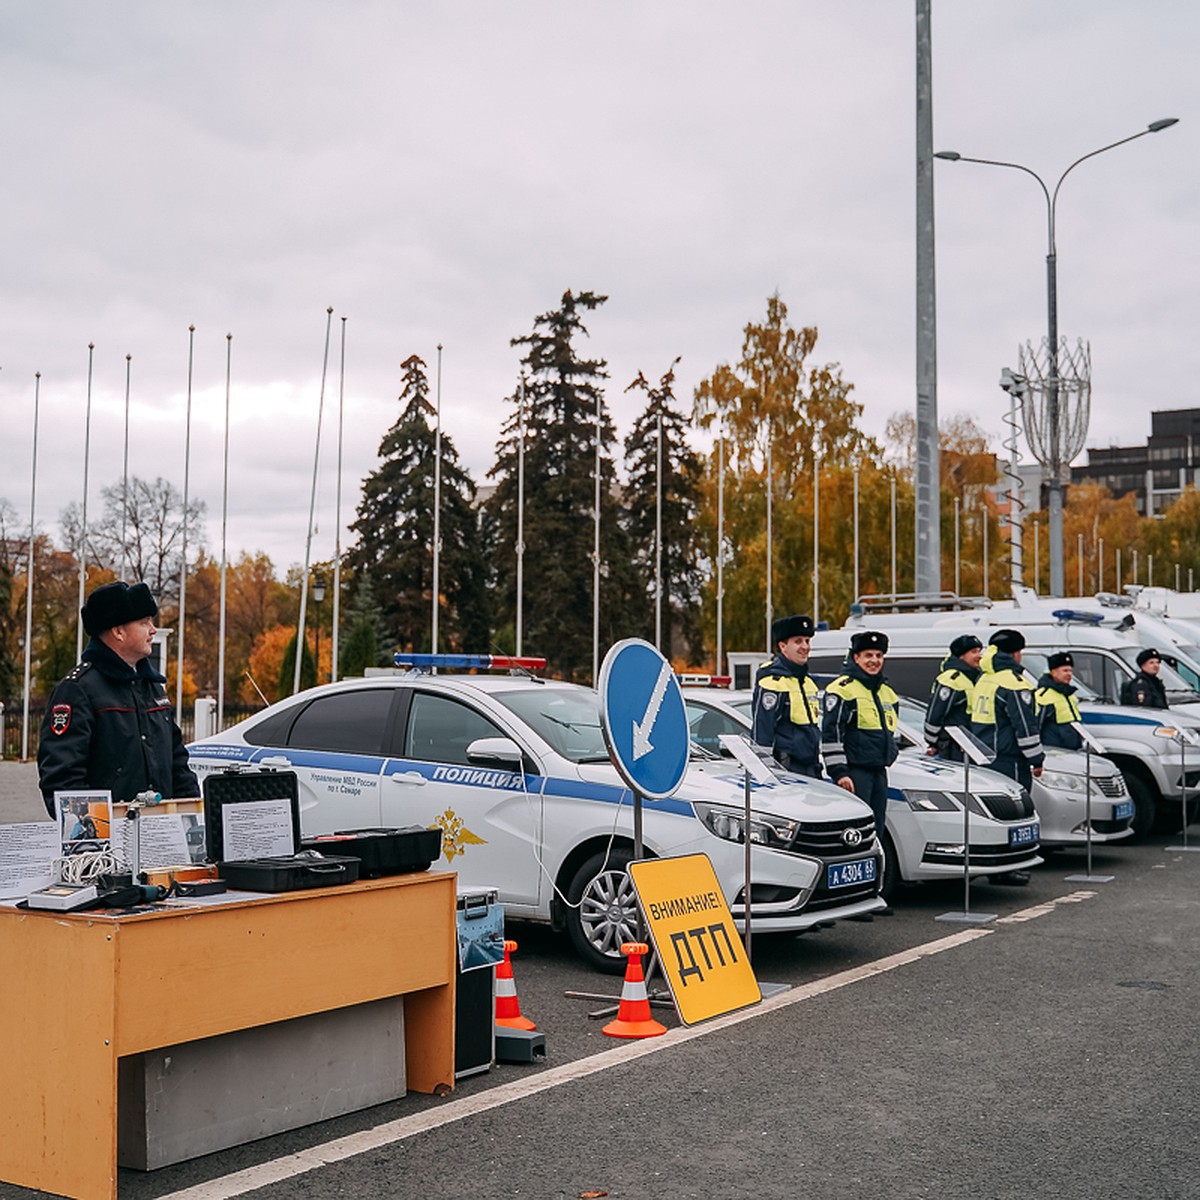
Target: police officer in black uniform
[953,691]
[786,712]
[1057,706]
[1145,688]
[108,724]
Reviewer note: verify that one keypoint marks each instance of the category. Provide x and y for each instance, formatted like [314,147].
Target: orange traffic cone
[508,1008]
[633,1013]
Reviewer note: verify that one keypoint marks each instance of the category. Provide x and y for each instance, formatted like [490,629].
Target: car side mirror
[496,750]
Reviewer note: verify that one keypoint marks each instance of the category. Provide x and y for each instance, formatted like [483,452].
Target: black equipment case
[269,872]
[383,851]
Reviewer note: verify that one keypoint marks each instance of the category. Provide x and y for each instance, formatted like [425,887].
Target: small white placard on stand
[739,746]
[976,752]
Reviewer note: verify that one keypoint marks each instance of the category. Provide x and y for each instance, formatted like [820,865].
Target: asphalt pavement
[1051,1053]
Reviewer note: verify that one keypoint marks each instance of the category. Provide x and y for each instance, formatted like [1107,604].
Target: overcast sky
[442,172]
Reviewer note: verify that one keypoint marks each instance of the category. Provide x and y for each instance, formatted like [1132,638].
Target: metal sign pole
[746,885]
[1184,737]
[1089,745]
[972,752]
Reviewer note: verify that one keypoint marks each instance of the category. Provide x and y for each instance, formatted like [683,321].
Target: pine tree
[395,530]
[365,643]
[681,557]
[562,398]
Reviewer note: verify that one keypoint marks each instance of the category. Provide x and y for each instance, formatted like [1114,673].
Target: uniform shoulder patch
[943,693]
[831,700]
[60,719]
[1026,697]
[769,699]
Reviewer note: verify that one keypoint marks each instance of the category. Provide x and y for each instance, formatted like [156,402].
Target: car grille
[1111,785]
[1110,826]
[826,839]
[1000,806]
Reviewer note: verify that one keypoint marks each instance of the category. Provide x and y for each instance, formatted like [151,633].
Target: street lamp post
[1055,465]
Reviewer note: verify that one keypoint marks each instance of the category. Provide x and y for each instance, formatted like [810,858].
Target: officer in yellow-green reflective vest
[953,691]
[1057,706]
[858,729]
[786,713]
[1004,714]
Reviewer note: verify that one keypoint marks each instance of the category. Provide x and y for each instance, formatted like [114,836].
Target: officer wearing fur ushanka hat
[109,724]
[1057,707]
[953,691]
[858,730]
[785,715]
[1145,689]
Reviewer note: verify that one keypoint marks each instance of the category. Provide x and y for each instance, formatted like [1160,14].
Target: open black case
[272,872]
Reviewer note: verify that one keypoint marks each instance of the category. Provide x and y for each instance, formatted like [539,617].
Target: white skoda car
[515,772]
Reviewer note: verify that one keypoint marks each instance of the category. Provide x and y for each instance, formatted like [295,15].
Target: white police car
[923,839]
[515,772]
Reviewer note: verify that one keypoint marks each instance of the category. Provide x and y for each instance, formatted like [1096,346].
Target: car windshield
[1180,677]
[1035,664]
[567,718]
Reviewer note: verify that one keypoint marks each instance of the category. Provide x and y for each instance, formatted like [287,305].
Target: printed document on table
[257,829]
[27,848]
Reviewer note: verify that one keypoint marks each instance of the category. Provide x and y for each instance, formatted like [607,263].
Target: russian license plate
[846,874]
[1123,810]
[1023,835]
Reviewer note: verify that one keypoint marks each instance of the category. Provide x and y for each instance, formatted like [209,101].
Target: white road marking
[240,1182]
[1041,910]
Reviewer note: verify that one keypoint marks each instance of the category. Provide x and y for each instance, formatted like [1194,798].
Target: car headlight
[920,801]
[730,824]
[1064,781]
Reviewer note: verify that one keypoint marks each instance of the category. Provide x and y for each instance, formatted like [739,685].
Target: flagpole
[521,516]
[224,542]
[187,462]
[596,560]
[125,473]
[437,505]
[658,533]
[87,454]
[37,397]
[312,504]
[720,549]
[337,553]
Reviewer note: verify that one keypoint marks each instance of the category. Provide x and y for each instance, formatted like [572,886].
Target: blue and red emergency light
[467,662]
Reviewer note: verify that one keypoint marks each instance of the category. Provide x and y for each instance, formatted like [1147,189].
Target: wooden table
[81,990]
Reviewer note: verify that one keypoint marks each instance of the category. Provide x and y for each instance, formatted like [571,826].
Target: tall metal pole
[1079,555]
[1118,588]
[312,507]
[770,544]
[856,583]
[658,535]
[894,585]
[721,552]
[928,562]
[337,521]
[87,456]
[125,472]
[1054,464]
[816,571]
[437,507]
[596,560]
[224,541]
[1100,564]
[957,546]
[521,515]
[983,519]
[1037,558]
[37,399]
[187,465]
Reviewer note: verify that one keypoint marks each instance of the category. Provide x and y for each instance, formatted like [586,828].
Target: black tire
[1145,805]
[603,910]
[892,881]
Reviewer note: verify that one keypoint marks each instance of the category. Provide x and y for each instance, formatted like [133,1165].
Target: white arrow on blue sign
[643,718]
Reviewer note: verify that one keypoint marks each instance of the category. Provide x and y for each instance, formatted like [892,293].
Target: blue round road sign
[643,718]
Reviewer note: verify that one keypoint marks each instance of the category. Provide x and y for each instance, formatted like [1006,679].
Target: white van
[1144,743]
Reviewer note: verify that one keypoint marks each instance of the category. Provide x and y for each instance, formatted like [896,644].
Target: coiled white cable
[76,869]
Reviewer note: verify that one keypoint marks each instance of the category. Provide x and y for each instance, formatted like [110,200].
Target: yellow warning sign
[698,946]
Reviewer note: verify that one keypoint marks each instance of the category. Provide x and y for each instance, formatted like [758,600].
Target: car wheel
[1145,805]
[602,912]
[891,869]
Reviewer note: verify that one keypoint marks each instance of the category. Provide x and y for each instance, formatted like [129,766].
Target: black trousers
[1015,768]
[870,786]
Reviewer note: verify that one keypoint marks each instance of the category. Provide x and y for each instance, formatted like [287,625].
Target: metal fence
[12,712]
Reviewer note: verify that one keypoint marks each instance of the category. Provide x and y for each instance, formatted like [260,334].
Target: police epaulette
[77,671]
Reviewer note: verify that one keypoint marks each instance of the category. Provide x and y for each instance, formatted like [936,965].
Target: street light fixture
[318,594]
[1055,465]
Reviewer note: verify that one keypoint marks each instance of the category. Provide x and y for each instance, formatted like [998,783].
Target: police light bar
[1067,615]
[690,680]
[465,662]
